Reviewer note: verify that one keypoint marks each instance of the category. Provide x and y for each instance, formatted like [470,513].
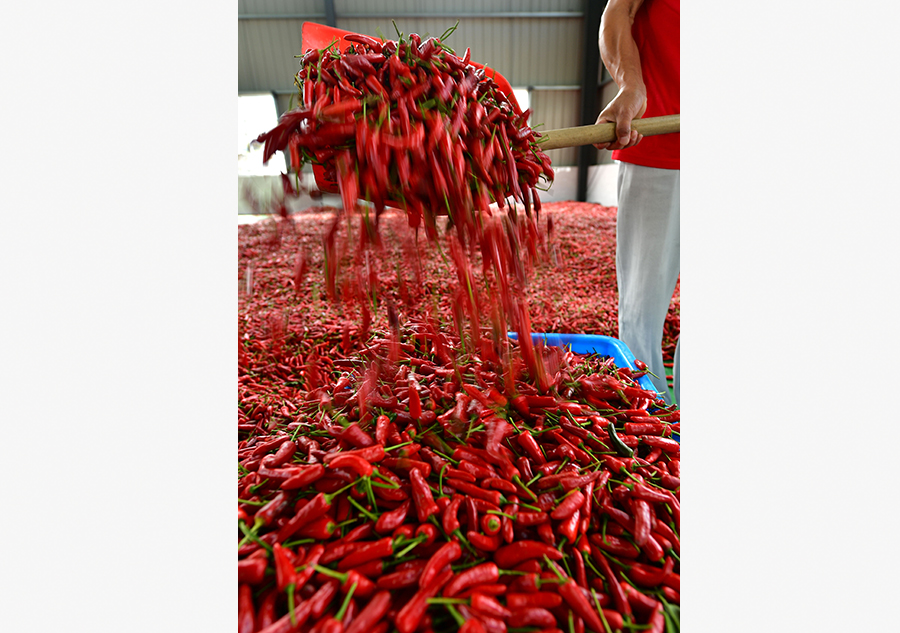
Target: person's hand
[625,106]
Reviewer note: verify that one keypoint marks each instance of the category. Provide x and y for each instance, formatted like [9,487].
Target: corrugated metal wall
[544,51]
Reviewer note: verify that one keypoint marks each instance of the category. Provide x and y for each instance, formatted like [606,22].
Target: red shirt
[656,30]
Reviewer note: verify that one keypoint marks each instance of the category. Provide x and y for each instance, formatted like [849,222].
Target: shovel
[319,36]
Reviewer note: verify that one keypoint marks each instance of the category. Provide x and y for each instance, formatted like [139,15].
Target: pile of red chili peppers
[408,123]
[419,488]
[412,469]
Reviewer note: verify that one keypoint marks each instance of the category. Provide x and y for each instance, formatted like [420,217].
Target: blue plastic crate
[594,344]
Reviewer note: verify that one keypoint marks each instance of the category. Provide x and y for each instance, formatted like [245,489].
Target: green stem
[290,599]
[343,610]
[600,611]
[330,572]
[456,615]
[301,541]
[356,505]
[251,534]
[446,601]
[502,514]
[554,568]
[412,545]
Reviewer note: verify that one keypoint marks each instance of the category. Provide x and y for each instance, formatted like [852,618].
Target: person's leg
[647,260]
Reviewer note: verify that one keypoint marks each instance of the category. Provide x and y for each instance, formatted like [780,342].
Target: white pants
[648,263]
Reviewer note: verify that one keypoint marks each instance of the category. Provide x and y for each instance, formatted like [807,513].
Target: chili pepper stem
[413,544]
[290,600]
[600,611]
[250,534]
[456,614]
[330,572]
[346,603]
[365,512]
[447,601]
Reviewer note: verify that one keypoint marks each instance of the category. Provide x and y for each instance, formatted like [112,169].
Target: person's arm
[619,53]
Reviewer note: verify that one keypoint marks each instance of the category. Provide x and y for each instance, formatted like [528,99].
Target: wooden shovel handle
[606,132]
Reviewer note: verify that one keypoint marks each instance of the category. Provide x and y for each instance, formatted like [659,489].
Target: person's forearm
[618,49]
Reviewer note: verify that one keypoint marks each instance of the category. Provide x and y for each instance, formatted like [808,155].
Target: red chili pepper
[281,456]
[429,531]
[407,464]
[252,570]
[529,583]
[425,505]
[477,471]
[645,492]
[614,545]
[490,524]
[664,530]
[491,496]
[652,549]
[496,589]
[568,506]
[484,573]
[309,564]
[670,594]
[446,554]
[322,598]
[266,514]
[406,531]
[449,520]
[571,482]
[359,533]
[306,477]
[642,521]
[619,516]
[415,402]
[670,446]
[615,588]
[408,618]
[471,513]
[568,527]
[670,482]
[246,614]
[483,542]
[472,625]
[367,551]
[390,521]
[499,484]
[401,579]
[546,534]
[371,614]
[576,599]
[459,474]
[381,428]
[532,615]
[321,529]
[648,576]
[319,505]
[511,555]
[294,620]
[487,605]
[364,586]
[543,599]
[285,574]
[372,569]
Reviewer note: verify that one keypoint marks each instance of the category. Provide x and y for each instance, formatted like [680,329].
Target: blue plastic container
[594,344]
